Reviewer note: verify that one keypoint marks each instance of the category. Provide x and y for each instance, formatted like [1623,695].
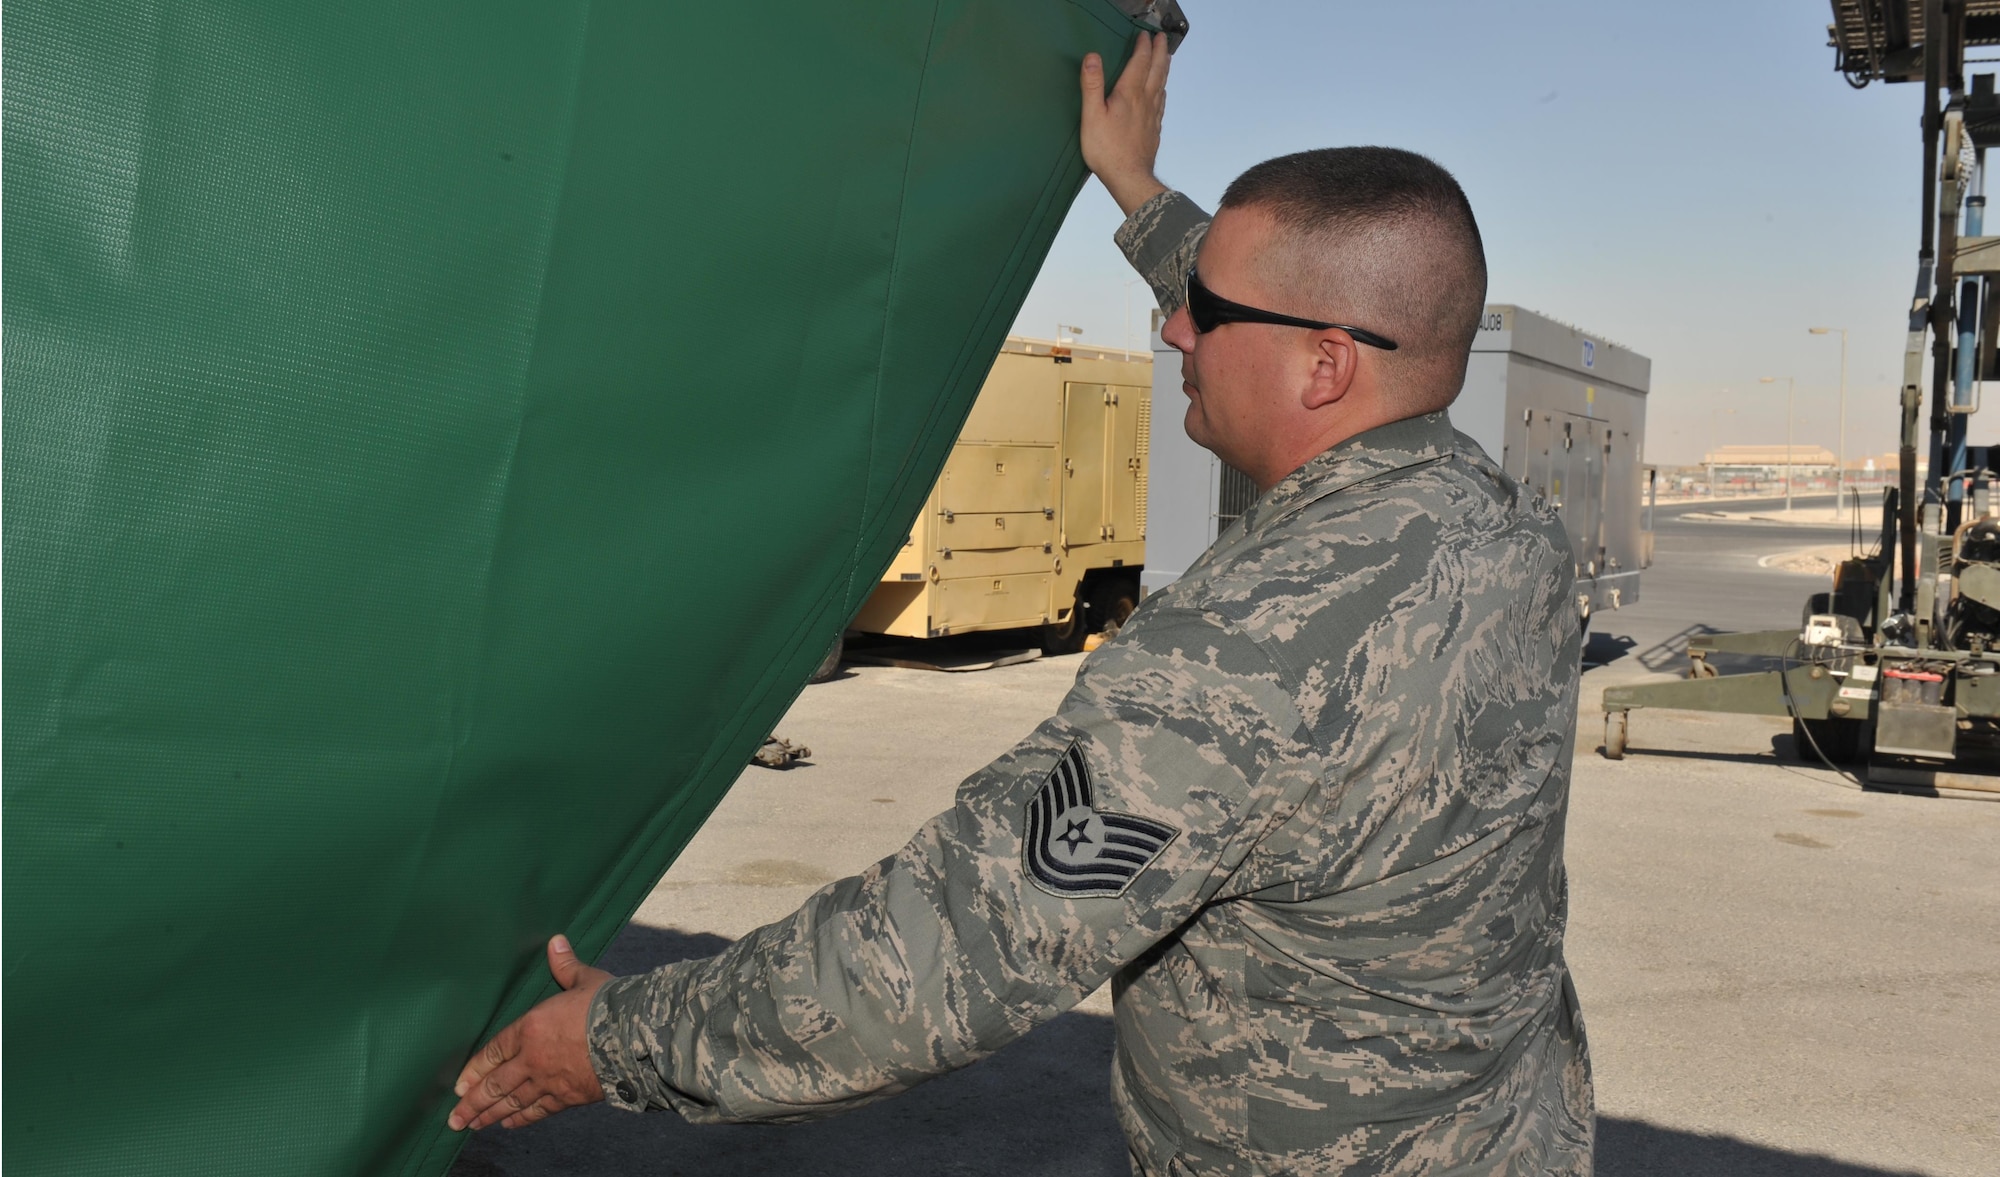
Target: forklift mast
[1926,41]
[1898,666]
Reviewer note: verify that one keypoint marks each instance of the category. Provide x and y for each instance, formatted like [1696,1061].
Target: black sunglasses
[1210,310]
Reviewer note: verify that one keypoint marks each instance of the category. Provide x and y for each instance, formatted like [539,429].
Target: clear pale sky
[1693,181]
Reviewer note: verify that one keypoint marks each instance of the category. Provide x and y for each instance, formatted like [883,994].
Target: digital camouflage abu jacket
[1305,813]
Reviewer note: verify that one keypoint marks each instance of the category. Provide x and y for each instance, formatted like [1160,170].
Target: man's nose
[1178,331]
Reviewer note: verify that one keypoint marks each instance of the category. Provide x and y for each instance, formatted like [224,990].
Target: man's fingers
[507,1092]
[1132,76]
[1145,73]
[495,1088]
[505,1045]
[501,1110]
[541,1109]
[1156,69]
[1093,83]
[484,1100]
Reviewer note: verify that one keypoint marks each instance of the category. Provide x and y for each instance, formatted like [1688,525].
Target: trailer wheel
[1066,636]
[830,665]
[1112,603]
[1615,725]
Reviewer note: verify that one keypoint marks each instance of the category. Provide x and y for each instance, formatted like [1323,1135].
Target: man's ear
[1336,357]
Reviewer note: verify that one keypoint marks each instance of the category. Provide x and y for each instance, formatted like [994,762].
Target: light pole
[1840,471]
[1712,415]
[1789,382]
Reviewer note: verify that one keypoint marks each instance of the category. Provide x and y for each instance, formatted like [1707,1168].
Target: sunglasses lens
[1200,305]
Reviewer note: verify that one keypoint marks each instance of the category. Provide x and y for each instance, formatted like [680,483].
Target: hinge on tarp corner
[1159,16]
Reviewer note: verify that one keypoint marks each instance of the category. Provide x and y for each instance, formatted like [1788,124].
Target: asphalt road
[1781,975]
[1705,574]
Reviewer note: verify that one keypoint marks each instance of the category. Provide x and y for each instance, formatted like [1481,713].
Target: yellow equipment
[1040,516]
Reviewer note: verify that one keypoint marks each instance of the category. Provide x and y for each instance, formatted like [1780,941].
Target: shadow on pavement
[1602,649]
[1704,754]
[1671,654]
[1634,1148]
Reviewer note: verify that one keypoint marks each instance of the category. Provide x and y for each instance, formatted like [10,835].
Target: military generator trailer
[1039,519]
[1898,666]
[1561,410]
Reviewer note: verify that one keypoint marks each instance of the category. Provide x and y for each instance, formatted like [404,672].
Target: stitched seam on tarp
[889,298]
[637,857]
[417,1158]
[639,854]
[1095,10]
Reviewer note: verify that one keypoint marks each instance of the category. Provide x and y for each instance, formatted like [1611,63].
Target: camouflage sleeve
[1063,860]
[1160,239]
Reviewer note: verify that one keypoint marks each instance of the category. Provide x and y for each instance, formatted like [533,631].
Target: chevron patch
[1073,849]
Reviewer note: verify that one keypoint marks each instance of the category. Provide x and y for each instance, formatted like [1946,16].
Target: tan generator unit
[1040,516]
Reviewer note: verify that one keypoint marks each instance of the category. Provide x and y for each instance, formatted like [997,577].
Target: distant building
[1768,463]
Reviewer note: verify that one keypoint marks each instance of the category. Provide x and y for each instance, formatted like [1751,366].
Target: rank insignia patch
[1073,848]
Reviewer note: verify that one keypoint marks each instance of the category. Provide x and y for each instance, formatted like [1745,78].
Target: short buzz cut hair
[1387,237]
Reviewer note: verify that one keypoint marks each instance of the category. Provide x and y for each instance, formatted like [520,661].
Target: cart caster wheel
[1615,724]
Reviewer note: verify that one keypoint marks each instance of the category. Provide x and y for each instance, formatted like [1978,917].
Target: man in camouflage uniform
[1305,813]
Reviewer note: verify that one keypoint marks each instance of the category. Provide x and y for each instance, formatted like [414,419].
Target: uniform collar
[1399,445]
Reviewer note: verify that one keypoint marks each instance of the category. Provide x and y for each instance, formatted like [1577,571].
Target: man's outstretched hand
[541,1063]
[1121,134]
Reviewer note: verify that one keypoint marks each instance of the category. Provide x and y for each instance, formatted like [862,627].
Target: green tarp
[440,439]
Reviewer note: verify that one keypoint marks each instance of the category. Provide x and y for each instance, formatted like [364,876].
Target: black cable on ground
[1798,722]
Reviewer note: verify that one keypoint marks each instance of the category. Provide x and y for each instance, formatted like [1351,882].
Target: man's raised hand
[1121,134]
[541,1063]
